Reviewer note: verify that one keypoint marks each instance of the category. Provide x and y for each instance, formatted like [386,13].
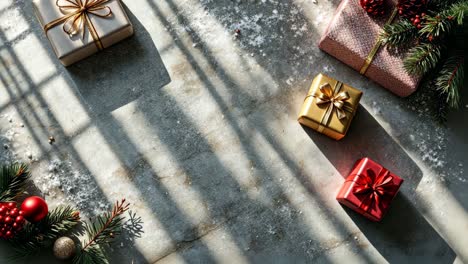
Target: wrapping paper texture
[347,197]
[350,37]
[311,114]
[72,49]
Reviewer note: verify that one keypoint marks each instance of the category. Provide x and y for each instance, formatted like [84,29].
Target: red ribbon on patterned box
[374,189]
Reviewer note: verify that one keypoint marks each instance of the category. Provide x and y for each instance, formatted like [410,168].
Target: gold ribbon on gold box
[329,106]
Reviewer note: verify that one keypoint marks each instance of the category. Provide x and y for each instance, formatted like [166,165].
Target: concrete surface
[198,130]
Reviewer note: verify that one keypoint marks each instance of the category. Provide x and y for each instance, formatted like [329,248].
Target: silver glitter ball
[64,248]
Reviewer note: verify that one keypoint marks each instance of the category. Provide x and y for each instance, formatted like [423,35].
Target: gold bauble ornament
[64,248]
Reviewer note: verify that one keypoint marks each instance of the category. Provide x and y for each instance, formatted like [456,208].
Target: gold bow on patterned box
[330,106]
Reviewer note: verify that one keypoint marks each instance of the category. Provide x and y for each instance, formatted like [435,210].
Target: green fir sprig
[399,34]
[13,179]
[100,232]
[435,50]
[450,78]
[422,58]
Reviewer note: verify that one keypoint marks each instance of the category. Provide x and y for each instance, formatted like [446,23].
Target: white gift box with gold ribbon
[77,29]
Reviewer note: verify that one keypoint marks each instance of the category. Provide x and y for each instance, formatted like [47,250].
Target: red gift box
[369,189]
[352,36]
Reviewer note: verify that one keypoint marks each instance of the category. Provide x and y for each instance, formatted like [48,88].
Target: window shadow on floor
[121,73]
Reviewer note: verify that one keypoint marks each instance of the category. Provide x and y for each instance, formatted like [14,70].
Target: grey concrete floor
[198,130]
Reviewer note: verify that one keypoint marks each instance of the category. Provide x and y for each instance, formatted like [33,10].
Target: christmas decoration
[373,7]
[13,180]
[64,248]
[11,220]
[30,238]
[353,38]
[437,45]
[35,237]
[34,208]
[329,106]
[76,29]
[101,232]
[411,9]
[369,189]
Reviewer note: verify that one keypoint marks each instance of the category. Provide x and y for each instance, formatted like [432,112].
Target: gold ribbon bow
[335,100]
[76,17]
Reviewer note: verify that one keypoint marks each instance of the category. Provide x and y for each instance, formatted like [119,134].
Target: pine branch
[457,11]
[13,180]
[35,237]
[450,79]
[422,58]
[443,22]
[435,26]
[101,232]
[399,34]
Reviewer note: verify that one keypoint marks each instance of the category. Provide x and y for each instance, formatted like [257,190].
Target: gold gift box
[329,106]
[77,29]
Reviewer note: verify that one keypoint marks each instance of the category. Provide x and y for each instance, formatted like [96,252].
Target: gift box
[353,38]
[78,28]
[329,107]
[369,189]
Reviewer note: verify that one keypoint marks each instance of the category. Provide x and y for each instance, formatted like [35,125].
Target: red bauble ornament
[11,220]
[34,209]
[373,7]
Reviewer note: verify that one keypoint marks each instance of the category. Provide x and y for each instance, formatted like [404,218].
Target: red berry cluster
[373,7]
[417,20]
[11,220]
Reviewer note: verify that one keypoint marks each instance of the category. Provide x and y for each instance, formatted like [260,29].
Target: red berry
[19,218]
[11,205]
[2,210]
[8,220]
[14,212]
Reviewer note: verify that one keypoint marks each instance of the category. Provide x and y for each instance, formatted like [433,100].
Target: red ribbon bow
[375,189]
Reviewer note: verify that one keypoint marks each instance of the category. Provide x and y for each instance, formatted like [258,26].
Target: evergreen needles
[100,232]
[436,46]
[450,78]
[422,58]
[13,180]
[398,34]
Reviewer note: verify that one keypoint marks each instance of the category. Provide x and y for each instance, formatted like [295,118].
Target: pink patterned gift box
[351,36]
